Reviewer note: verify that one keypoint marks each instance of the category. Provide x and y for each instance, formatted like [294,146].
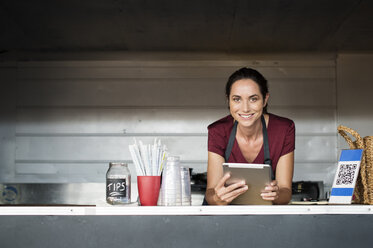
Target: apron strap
[232,138]
[267,157]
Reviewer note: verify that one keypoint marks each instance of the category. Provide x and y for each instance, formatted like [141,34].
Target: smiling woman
[250,135]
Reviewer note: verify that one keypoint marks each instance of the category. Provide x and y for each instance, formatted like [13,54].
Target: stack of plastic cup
[185,187]
[170,194]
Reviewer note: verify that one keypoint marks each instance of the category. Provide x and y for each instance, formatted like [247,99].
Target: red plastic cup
[148,187]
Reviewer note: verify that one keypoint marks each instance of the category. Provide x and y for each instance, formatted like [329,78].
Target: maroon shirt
[281,139]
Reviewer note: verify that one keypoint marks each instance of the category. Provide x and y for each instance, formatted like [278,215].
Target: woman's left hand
[271,191]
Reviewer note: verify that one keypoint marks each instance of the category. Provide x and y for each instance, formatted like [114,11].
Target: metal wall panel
[103,148]
[122,92]
[193,69]
[315,171]
[167,92]
[7,120]
[355,89]
[75,117]
[309,120]
[310,148]
[143,120]
[117,120]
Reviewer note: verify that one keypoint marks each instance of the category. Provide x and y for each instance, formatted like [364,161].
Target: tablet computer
[256,176]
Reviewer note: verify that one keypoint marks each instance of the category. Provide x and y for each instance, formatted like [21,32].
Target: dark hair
[248,73]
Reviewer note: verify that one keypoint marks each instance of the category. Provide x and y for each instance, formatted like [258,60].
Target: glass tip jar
[118,184]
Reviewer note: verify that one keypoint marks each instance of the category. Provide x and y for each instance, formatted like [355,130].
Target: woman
[247,95]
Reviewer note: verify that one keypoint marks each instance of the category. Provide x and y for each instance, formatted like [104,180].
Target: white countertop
[135,210]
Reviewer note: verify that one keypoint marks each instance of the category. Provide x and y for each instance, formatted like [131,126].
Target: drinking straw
[154,159]
[138,158]
[161,164]
[135,159]
[148,159]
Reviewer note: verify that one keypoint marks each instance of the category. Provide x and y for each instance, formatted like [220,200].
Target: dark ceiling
[231,26]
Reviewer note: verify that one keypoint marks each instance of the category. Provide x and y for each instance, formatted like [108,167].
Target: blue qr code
[346,174]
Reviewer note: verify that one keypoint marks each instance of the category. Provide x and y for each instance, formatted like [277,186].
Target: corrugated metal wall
[74,117]
[7,120]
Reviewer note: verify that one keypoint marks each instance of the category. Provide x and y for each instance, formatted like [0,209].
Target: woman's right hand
[224,195]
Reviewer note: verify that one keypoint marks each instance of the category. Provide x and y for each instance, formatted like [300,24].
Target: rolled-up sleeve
[289,140]
[216,140]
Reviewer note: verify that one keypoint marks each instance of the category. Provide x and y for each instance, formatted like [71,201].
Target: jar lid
[173,158]
[117,164]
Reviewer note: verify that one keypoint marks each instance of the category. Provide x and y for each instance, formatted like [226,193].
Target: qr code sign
[346,174]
